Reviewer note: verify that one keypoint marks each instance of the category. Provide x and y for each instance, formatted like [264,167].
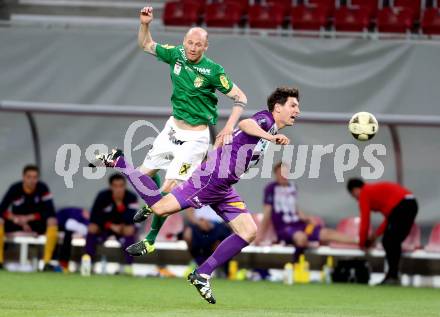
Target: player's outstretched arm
[249,126]
[145,40]
[240,102]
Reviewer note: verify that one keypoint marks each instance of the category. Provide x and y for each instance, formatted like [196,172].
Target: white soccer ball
[363,126]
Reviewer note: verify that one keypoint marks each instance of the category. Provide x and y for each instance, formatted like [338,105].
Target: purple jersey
[233,160]
[283,202]
[211,183]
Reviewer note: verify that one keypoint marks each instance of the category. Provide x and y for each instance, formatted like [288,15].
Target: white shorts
[177,151]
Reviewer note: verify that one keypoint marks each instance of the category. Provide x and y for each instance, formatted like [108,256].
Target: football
[363,126]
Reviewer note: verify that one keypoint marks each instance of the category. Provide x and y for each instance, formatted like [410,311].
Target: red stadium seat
[243,3]
[326,5]
[308,18]
[413,240]
[395,20]
[349,226]
[413,5]
[434,240]
[171,228]
[182,13]
[223,14]
[266,16]
[286,4]
[431,21]
[354,20]
[369,5]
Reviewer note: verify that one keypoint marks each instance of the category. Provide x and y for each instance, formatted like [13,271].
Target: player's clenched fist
[146,15]
[280,139]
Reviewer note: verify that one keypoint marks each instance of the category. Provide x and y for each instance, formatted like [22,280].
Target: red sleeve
[381,229]
[365,218]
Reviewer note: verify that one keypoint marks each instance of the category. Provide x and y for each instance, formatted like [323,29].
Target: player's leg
[300,241]
[330,235]
[92,237]
[2,242]
[51,226]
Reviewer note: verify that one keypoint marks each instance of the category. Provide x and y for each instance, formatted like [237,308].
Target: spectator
[112,215]
[72,221]
[399,208]
[204,232]
[28,206]
[291,225]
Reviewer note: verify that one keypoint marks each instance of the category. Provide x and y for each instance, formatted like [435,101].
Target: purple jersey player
[291,225]
[211,183]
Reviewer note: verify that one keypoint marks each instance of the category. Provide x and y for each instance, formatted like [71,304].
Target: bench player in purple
[211,183]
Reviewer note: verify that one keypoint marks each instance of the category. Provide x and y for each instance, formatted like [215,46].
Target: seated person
[291,225]
[203,233]
[72,221]
[112,215]
[28,206]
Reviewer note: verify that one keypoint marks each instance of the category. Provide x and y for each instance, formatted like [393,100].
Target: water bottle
[288,273]
[86,265]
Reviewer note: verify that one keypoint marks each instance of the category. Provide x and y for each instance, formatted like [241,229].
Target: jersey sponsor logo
[168,47]
[224,81]
[204,71]
[184,169]
[198,82]
[177,68]
[182,52]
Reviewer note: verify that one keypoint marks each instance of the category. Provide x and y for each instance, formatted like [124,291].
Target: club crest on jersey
[177,68]
[198,82]
[184,168]
[224,81]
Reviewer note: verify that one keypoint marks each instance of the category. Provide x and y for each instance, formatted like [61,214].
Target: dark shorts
[222,198]
[101,219]
[36,226]
[203,242]
[312,231]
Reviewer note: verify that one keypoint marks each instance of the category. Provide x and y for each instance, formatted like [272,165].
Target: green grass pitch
[51,294]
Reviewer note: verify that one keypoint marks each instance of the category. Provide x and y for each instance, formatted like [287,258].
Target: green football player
[183,143]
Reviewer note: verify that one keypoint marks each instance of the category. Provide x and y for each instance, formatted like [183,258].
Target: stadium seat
[309,18]
[266,16]
[434,240]
[413,5]
[286,4]
[431,21]
[223,14]
[349,226]
[395,20]
[244,4]
[413,240]
[182,13]
[171,228]
[351,19]
[368,5]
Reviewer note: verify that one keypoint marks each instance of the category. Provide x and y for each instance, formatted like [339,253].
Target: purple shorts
[312,231]
[220,196]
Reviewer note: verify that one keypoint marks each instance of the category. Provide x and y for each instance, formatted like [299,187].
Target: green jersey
[194,100]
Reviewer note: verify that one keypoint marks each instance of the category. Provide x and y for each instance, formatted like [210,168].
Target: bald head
[195,44]
[198,32]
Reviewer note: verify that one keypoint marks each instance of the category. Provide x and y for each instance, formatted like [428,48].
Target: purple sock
[126,242]
[91,242]
[143,184]
[226,250]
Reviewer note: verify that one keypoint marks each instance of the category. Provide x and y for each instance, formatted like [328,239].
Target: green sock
[156,224]
[158,221]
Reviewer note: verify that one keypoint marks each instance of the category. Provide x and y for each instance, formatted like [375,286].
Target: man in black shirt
[112,215]
[28,206]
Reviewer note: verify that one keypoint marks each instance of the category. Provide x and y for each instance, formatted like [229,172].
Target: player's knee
[300,239]
[169,185]
[187,234]
[325,235]
[93,228]
[250,233]
[52,222]
[128,230]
